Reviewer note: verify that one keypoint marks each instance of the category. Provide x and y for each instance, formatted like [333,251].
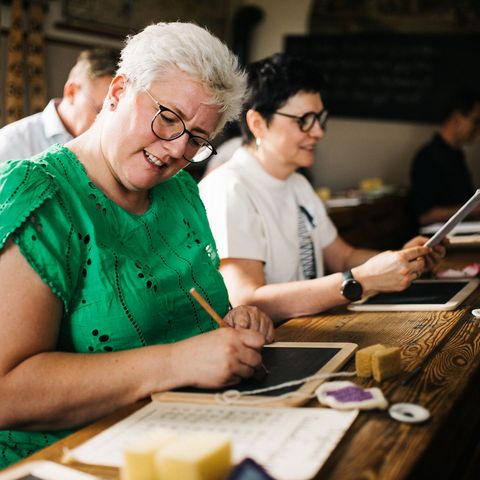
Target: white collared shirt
[33,134]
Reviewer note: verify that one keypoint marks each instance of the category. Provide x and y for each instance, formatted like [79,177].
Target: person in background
[67,117]
[439,176]
[102,240]
[227,148]
[271,229]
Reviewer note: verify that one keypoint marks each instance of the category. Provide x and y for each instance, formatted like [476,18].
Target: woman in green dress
[101,241]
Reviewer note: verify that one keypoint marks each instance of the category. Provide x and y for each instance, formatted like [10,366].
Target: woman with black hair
[272,232]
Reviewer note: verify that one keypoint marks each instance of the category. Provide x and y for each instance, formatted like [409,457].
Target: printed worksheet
[291,443]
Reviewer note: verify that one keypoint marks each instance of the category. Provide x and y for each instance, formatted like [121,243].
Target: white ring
[476,312]
[408,412]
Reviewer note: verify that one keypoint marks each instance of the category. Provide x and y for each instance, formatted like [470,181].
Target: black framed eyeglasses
[168,125]
[307,121]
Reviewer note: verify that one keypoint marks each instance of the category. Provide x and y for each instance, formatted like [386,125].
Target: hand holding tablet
[455,219]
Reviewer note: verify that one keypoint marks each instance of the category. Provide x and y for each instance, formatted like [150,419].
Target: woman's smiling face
[284,142]
[135,156]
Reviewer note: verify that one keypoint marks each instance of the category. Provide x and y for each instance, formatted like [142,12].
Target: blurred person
[440,179]
[67,117]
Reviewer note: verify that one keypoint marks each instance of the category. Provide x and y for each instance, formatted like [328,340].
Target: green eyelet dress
[124,279]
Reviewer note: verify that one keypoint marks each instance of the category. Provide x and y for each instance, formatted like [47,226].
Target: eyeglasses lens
[167,125]
[308,120]
[198,154]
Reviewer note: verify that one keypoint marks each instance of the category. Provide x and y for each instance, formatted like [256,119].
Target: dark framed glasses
[307,121]
[168,125]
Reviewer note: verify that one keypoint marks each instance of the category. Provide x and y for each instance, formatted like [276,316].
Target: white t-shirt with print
[255,216]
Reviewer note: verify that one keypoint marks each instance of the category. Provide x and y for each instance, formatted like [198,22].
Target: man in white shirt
[65,118]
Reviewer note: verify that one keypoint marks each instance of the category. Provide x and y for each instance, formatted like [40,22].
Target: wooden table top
[377,447]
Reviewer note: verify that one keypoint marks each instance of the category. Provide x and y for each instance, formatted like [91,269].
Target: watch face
[352,290]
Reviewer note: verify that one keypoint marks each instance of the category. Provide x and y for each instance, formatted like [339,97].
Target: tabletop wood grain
[377,447]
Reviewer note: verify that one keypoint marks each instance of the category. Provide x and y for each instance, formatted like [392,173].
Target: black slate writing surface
[285,361]
[419,293]
[391,76]
[424,295]
[283,365]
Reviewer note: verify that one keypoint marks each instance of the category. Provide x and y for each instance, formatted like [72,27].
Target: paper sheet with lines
[291,443]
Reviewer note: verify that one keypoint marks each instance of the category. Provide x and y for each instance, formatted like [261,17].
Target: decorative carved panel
[119,17]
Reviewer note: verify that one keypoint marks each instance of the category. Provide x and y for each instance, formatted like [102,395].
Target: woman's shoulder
[39,175]
[26,185]
[42,167]
[25,179]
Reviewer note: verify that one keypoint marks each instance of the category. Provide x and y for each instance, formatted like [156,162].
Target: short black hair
[461,100]
[273,80]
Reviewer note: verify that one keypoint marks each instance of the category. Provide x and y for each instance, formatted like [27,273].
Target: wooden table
[377,447]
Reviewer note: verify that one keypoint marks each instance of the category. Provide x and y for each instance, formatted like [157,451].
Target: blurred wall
[351,150]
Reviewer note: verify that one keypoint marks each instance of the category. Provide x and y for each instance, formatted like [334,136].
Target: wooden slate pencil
[208,308]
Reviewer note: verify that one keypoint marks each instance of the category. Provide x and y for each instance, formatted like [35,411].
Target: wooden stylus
[208,308]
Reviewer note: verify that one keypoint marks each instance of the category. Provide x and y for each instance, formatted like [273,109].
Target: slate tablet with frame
[422,295]
[285,361]
[44,470]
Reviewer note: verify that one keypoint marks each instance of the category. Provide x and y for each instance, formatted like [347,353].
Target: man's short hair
[95,63]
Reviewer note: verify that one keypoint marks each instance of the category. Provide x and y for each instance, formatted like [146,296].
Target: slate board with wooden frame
[422,295]
[285,361]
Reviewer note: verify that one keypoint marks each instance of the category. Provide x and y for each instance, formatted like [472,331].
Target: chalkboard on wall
[391,76]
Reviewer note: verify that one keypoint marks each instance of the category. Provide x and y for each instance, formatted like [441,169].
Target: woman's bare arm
[391,270]
[41,388]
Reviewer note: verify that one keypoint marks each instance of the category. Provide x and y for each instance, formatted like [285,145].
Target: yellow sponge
[195,457]
[363,359]
[139,458]
[386,363]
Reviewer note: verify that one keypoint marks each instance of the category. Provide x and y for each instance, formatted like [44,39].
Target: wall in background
[65,38]
[61,49]
[355,149]
[352,149]
[282,17]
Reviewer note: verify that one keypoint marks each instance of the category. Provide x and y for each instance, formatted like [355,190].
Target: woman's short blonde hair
[162,47]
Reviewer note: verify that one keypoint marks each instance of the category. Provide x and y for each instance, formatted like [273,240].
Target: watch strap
[348,275]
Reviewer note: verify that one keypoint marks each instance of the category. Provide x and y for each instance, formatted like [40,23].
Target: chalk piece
[386,363]
[195,457]
[363,360]
[139,457]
